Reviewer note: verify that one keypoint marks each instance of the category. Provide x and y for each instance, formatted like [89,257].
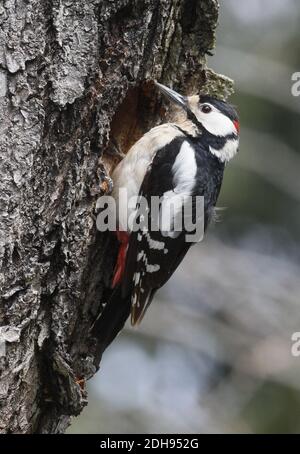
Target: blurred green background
[214,351]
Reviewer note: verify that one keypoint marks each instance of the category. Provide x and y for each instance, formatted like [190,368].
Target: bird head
[216,120]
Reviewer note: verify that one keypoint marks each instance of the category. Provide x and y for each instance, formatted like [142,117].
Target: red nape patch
[237,125]
[123,238]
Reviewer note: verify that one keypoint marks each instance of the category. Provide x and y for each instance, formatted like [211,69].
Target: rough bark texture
[75,80]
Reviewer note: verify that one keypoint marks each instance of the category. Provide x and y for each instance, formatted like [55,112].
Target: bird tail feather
[113,317]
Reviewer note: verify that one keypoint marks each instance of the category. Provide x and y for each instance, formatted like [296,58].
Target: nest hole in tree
[140,110]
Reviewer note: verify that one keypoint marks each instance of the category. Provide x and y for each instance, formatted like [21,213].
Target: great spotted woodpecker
[171,161]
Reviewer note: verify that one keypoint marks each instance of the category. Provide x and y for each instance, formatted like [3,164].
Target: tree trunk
[75,86]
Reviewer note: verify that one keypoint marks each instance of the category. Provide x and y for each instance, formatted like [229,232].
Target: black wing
[153,255]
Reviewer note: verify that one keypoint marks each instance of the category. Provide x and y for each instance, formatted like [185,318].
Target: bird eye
[206,108]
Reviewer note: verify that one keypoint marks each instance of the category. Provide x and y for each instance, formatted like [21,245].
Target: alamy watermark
[170,214]
[295,349]
[295,89]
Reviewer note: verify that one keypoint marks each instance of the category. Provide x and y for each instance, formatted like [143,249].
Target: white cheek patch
[216,123]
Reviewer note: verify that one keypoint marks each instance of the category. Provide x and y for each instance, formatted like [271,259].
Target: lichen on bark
[75,78]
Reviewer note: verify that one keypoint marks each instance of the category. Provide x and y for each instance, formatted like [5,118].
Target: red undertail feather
[123,239]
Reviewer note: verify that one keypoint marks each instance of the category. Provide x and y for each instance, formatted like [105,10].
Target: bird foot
[80,382]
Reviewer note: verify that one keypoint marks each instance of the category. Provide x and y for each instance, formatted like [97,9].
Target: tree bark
[75,85]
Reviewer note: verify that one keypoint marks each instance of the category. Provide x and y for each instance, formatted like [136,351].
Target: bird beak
[173,95]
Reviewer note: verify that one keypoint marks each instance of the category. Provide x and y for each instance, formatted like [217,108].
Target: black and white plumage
[171,161]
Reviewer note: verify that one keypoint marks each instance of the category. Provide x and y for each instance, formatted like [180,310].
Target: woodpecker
[170,161]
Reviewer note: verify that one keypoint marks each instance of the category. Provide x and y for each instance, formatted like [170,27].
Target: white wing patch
[184,172]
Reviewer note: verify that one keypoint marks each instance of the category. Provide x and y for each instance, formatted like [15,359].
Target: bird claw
[106,186]
[80,382]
